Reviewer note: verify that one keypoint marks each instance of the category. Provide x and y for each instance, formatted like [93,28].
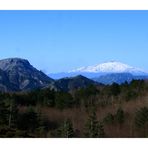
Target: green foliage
[115,89]
[109,119]
[93,128]
[120,116]
[18,120]
[137,84]
[25,99]
[86,96]
[130,94]
[13,113]
[141,117]
[63,100]
[101,130]
[4,113]
[28,120]
[90,90]
[46,97]
[66,130]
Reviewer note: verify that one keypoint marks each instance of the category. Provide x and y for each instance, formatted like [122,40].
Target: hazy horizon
[59,41]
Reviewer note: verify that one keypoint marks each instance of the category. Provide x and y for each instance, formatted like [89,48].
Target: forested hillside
[95,111]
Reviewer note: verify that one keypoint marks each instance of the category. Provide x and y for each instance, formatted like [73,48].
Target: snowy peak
[110,67]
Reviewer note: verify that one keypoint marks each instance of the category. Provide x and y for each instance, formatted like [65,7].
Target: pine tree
[141,120]
[13,113]
[101,130]
[3,114]
[141,117]
[120,116]
[109,119]
[28,120]
[115,89]
[93,129]
[66,130]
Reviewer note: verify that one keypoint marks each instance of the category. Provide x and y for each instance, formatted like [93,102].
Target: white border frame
[74,4]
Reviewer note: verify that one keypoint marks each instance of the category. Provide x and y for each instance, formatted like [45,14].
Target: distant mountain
[110,67]
[100,70]
[118,78]
[74,74]
[72,83]
[18,74]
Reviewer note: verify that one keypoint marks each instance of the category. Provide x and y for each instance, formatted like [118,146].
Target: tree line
[20,114]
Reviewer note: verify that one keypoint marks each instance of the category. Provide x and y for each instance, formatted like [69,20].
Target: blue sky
[56,41]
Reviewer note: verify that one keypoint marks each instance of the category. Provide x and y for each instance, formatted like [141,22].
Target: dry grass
[79,116]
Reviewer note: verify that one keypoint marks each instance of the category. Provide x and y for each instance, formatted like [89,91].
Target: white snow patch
[109,67]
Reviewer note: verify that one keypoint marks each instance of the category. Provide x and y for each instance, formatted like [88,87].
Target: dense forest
[93,112]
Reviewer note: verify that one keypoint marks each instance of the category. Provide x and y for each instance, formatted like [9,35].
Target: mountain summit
[18,74]
[72,83]
[109,67]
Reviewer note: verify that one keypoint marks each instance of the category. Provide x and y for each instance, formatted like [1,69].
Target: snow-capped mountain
[109,67]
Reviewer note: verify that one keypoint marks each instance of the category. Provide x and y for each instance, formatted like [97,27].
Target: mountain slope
[100,70]
[110,67]
[72,83]
[118,78]
[18,74]
[4,82]
[115,78]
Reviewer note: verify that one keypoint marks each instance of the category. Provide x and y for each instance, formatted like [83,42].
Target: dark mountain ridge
[18,74]
[118,78]
[72,83]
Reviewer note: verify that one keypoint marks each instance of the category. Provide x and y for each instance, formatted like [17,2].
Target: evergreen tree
[93,128]
[101,132]
[13,113]
[28,120]
[141,120]
[63,100]
[66,130]
[3,114]
[141,117]
[115,89]
[120,117]
[109,119]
